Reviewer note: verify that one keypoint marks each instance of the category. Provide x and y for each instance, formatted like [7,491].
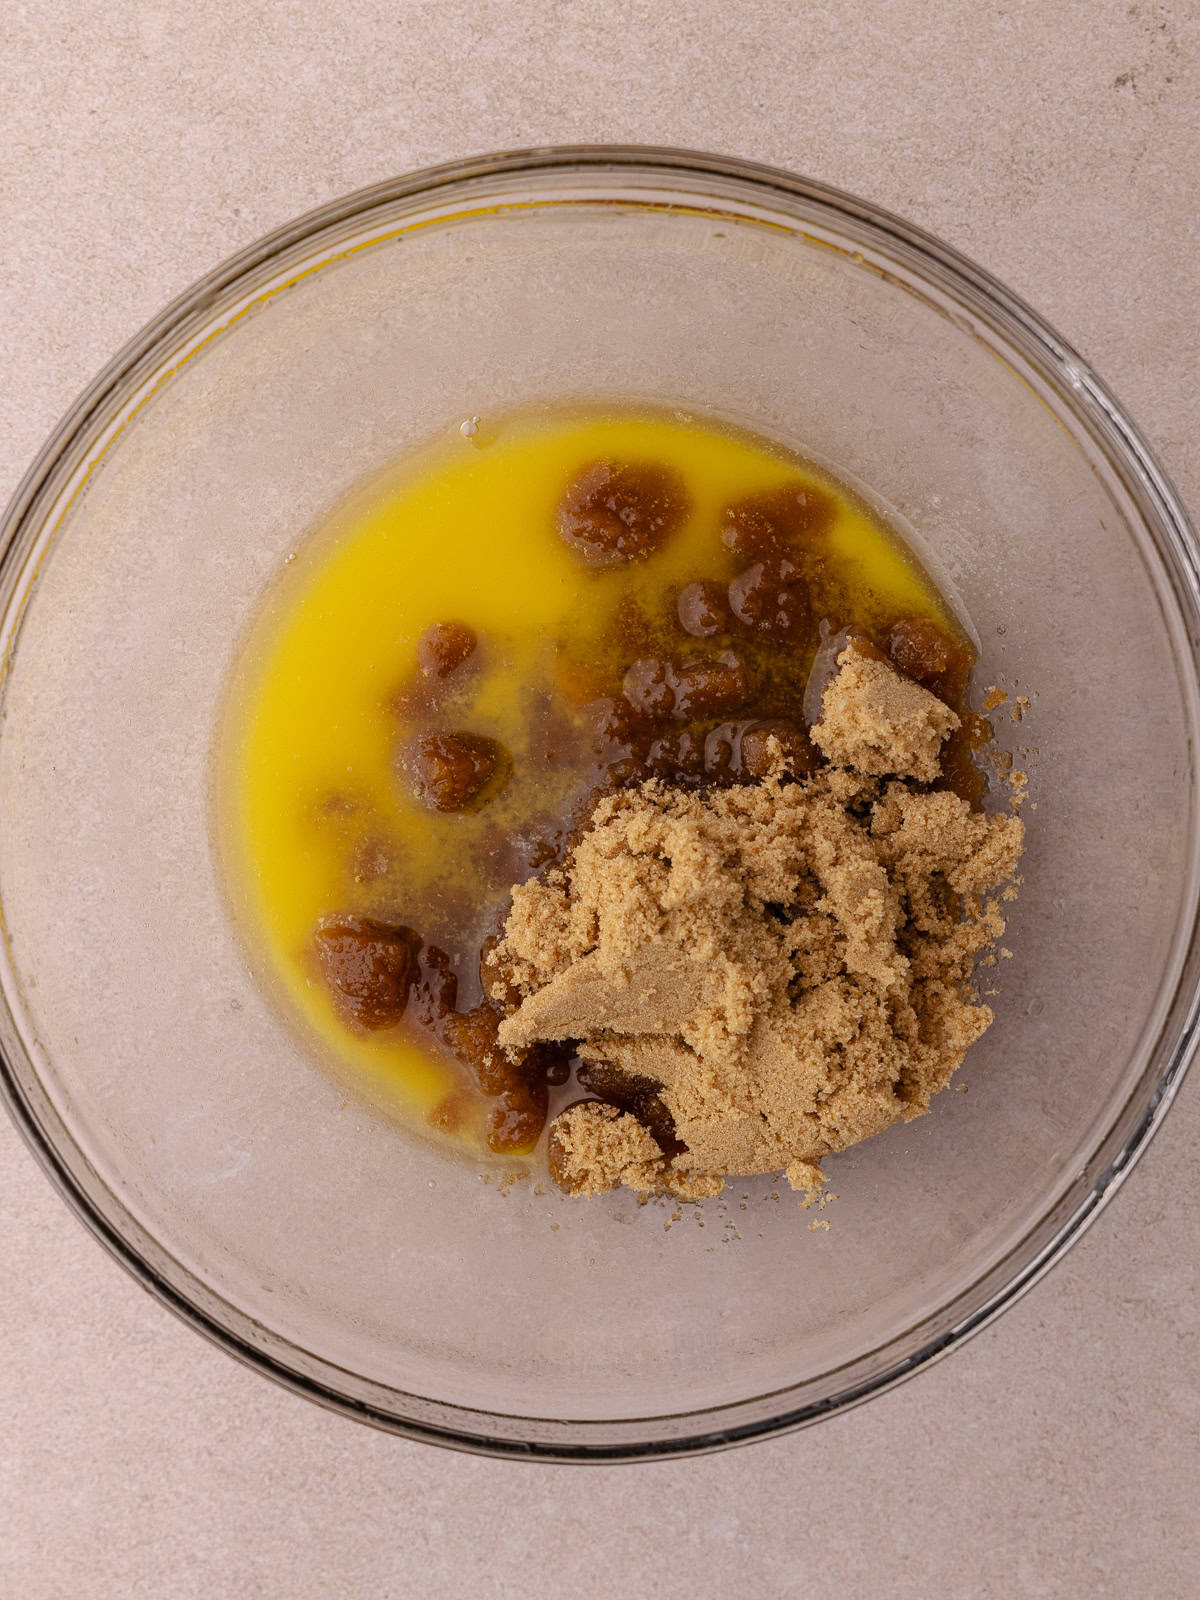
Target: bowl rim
[1075,383]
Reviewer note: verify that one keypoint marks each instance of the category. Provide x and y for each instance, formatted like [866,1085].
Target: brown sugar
[788,962]
[877,722]
[596,1147]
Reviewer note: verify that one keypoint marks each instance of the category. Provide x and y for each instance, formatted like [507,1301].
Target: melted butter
[309,804]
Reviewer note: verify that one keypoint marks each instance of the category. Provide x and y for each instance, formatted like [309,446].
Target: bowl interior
[378,1268]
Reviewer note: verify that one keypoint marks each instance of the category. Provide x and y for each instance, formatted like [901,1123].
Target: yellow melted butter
[463,531]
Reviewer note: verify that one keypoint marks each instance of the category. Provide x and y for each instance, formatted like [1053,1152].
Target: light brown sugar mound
[787,965]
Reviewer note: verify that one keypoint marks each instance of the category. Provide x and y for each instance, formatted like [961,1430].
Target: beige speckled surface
[1057,143]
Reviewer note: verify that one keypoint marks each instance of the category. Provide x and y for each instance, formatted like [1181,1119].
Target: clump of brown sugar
[596,1147]
[877,722]
[789,962]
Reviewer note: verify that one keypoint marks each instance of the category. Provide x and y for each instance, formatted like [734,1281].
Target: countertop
[1059,145]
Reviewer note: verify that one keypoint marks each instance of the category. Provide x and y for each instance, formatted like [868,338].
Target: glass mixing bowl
[186,1124]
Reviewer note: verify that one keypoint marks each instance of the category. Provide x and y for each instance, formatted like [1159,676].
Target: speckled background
[1059,144]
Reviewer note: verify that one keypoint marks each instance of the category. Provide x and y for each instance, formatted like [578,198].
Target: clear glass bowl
[171,1105]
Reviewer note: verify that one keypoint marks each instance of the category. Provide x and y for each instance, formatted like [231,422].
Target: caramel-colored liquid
[314,817]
